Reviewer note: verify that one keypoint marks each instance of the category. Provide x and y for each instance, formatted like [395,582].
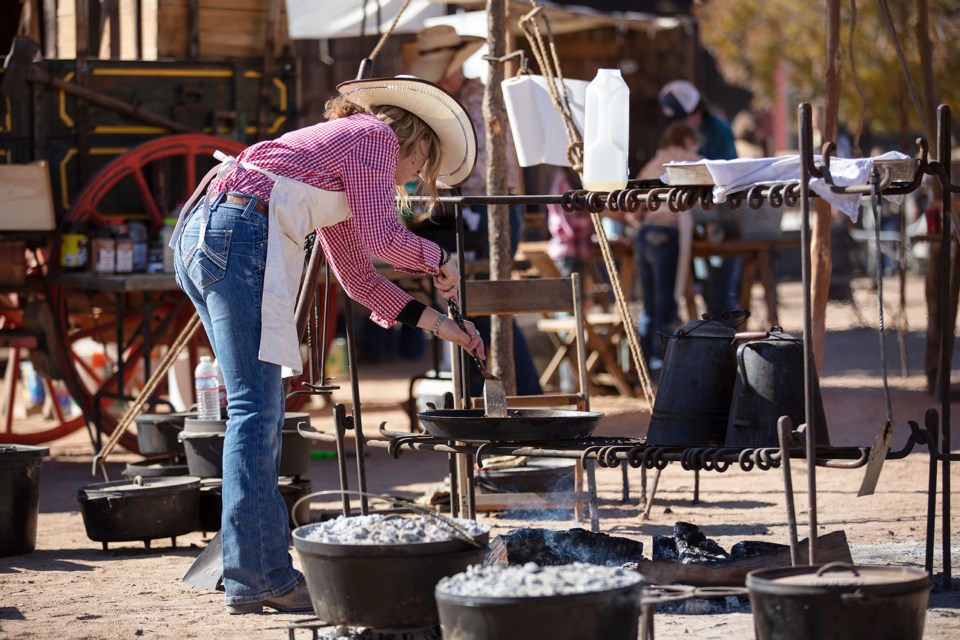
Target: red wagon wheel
[144,183]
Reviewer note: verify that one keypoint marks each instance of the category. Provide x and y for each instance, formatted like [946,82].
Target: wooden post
[820,258]
[50,29]
[266,80]
[501,260]
[934,278]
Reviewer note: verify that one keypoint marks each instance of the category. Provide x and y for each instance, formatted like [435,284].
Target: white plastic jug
[606,132]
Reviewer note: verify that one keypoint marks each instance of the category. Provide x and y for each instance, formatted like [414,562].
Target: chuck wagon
[94,149]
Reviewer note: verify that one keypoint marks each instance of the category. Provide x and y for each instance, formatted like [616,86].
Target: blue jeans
[224,280]
[657,250]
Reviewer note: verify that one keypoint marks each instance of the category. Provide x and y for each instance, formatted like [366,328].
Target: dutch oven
[838,601]
[141,509]
[608,614]
[157,433]
[203,443]
[19,497]
[535,475]
[381,586]
[520,425]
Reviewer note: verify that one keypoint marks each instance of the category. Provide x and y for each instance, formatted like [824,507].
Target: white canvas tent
[327,19]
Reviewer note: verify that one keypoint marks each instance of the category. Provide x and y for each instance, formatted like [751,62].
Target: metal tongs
[494,395]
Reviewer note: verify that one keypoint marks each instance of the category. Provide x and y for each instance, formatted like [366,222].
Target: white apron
[295,209]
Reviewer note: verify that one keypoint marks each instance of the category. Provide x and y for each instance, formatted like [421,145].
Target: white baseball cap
[678,99]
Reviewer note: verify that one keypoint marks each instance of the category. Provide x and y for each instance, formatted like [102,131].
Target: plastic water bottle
[606,132]
[207,390]
[221,390]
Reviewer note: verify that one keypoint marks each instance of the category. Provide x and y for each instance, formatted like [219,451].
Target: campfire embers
[552,548]
[687,546]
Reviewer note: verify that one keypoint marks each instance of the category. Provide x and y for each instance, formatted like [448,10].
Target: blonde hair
[414,135]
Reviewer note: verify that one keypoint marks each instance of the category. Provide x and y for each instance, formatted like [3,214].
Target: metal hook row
[678,198]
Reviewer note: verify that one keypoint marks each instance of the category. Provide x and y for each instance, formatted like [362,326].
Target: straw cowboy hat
[440,51]
[433,105]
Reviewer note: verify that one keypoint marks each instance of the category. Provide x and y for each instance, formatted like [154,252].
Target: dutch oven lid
[706,327]
[17,451]
[153,418]
[194,425]
[141,486]
[838,577]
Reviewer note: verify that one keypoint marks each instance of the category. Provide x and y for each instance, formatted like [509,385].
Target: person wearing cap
[238,249]
[681,101]
[440,55]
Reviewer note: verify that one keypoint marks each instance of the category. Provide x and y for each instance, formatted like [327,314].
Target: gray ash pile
[379,529]
[533,581]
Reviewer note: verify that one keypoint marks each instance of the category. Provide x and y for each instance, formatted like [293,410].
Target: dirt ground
[71,588]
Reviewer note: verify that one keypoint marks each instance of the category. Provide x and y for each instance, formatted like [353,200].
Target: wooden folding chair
[541,296]
[604,332]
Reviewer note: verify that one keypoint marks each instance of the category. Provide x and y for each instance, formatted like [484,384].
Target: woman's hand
[448,279]
[469,339]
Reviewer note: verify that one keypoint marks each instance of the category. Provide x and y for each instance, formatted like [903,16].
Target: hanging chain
[878,266]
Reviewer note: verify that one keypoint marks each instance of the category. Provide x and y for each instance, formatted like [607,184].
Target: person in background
[440,55]
[662,246]
[238,251]
[748,136]
[680,100]
[571,232]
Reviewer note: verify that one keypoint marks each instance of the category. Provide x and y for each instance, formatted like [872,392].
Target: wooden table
[756,257]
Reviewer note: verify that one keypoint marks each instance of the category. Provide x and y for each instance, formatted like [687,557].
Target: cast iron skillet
[520,425]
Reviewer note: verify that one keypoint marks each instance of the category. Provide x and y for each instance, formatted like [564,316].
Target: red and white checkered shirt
[357,155]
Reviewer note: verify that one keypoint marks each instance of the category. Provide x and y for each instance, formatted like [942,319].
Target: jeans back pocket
[205,265]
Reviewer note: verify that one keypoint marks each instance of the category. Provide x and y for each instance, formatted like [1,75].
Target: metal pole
[805,127]
[784,427]
[946,328]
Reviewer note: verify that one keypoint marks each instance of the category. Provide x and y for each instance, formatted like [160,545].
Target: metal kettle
[696,385]
[769,384]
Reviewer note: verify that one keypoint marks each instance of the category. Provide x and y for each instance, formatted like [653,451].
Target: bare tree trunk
[934,278]
[820,257]
[501,260]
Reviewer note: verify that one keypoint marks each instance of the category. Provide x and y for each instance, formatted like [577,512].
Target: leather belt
[244,201]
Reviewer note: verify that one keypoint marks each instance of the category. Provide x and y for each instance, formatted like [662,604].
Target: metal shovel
[494,395]
[206,572]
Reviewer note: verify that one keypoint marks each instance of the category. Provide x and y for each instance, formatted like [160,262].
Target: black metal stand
[613,452]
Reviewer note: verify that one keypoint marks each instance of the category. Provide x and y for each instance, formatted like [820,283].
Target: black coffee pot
[769,384]
[696,385]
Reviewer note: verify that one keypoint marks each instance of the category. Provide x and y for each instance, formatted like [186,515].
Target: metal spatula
[494,395]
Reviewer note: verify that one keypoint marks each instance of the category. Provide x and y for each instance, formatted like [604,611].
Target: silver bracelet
[436,326]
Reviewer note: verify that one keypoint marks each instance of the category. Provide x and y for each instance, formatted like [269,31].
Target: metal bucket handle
[459,531]
[838,566]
